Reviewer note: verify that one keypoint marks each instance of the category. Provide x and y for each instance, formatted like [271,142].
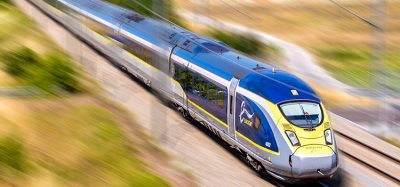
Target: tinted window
[204,86]
[197,85]
[302,114]
[221,98]
[176,73]
[189,81]
[212,94]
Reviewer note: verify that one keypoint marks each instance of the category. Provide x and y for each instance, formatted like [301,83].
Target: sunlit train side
[271,116]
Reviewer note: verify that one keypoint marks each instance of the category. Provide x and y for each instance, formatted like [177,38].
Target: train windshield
[302,114]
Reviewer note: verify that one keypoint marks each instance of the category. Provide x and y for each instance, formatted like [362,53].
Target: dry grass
[72,141]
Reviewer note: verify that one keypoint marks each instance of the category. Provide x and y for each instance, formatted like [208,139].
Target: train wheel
[183,112]
[254,163]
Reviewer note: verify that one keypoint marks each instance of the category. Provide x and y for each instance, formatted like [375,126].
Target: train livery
[275,119]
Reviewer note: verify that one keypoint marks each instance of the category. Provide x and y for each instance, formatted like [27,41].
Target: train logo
[248,118]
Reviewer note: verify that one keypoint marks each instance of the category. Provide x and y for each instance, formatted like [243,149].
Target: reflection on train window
[221,99]
[212,93]
[176,73]
[196,85]
[189,81]
[257,122]
[183,78]
[204,85]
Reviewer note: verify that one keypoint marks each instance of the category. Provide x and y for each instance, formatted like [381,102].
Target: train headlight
[293,138]
[328,137]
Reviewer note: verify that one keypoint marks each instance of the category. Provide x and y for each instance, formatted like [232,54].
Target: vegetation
[4,2]
[49,73]
[245,44]
[146,8]
[12,155]
[70,142]
[45,68]
[74,140]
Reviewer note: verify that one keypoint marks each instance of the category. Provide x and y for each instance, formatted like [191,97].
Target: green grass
[161,7]
[49,70]
[245,43]
[354,66]
[72,142]
[12,155]
[104,152]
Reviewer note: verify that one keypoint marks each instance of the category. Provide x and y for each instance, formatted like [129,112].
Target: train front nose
[313,161]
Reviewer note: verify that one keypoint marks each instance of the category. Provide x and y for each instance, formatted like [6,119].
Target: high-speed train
[270,116]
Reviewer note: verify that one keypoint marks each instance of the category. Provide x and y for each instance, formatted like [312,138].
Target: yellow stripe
[223,123]
[258,146]
[140,60]
[110,40]
[238,133]
[106,38]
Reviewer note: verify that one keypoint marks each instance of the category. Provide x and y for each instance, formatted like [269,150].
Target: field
[340,42]
[58,136]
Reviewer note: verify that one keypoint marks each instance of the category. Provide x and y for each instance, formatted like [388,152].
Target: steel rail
[375,166]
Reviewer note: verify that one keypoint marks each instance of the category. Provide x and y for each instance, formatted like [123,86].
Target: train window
[189,81]
[183,75]
[212,92]
[176,73]
[257,122]
[186,42]
[204,85]
[221,99]
[197,85]
[230,104]
[302,114]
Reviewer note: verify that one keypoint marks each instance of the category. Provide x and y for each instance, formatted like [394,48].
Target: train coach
[271,116]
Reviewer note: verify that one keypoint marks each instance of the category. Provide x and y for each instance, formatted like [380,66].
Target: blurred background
[62,127]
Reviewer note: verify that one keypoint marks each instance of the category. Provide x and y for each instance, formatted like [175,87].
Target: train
[270,116]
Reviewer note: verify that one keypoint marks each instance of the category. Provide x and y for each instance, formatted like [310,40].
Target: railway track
[382,163]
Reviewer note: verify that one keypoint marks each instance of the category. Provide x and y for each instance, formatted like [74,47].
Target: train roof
[209,54]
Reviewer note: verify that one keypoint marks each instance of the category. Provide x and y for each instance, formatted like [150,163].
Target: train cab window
[257,122]
[212,94]
[204,87]
[302,114]
[221,99]
[189,81]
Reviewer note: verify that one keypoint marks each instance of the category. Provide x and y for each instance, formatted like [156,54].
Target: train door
[231,107]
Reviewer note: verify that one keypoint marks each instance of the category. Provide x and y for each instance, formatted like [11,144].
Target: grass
[245,43]
[73,141]
[147,7]
[69,140]
[340,42]
[46,68]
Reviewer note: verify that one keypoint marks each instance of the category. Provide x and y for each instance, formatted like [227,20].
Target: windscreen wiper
[307,117]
